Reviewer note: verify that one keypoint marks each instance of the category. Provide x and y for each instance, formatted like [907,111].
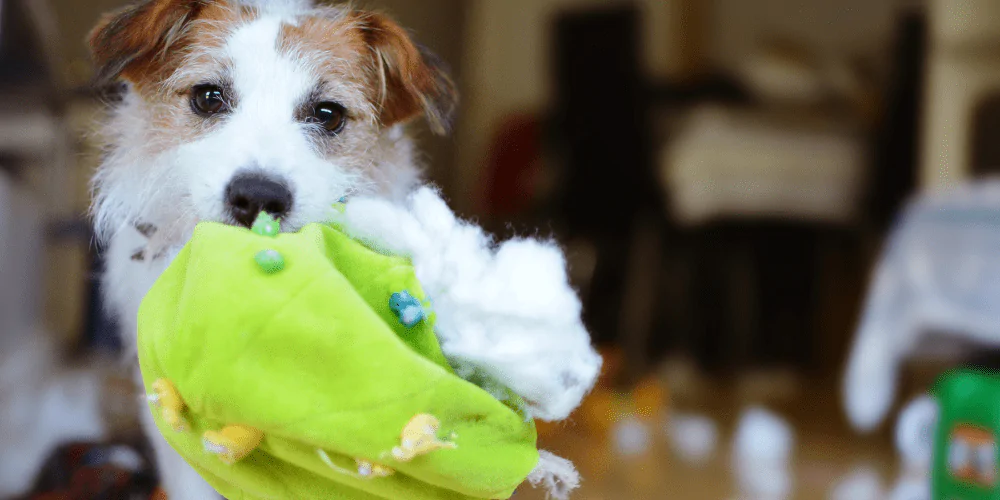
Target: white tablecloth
[939,274]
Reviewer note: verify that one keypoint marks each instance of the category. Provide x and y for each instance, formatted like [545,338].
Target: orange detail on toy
[233,443]
[420,437]
[166,397]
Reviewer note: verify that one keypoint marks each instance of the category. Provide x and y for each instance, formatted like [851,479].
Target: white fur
[287,7]
[507,313]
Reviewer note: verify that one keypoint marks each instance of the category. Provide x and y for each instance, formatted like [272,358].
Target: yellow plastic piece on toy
[366,469]
[232,443]
[166,397]
[420,437]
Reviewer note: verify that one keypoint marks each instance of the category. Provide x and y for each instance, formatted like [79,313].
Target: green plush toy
[305,366]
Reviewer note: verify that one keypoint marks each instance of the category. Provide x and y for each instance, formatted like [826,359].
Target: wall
[506,53]
[835,27]
[506,62]
[964,68]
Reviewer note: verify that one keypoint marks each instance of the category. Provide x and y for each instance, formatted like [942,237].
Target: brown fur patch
[146,42]
[138,38]
[401,81]
[333,46]
[411,81]
[363,61]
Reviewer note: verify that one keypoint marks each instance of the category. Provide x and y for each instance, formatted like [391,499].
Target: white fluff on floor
[504,312]
[911,488]
[762,452]
[863,483]
[915,434]
[631,437]
[915,446]
[693,438]
[556,475]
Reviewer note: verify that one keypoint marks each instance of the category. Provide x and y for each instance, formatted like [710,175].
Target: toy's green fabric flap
[315,358]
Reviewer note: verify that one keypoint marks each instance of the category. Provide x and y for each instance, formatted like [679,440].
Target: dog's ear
[410,81]
[125,40]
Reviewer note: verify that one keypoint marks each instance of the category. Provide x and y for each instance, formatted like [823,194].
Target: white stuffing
[505,313]
[915,434]
[693,438]
[911,488]
[556,475]
[863,483]
[762,451]
[631,438]
[915,445]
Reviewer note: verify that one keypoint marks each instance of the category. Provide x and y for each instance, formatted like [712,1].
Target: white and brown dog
[233,107]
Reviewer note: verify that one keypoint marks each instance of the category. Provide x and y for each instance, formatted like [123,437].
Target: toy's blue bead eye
[408,309]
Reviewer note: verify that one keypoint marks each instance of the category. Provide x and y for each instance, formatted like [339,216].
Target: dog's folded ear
[125,41]
[410,81]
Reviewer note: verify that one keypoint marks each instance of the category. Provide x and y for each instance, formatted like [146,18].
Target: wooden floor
[826,451]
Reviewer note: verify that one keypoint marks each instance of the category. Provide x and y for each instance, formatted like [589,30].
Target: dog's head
[233,107]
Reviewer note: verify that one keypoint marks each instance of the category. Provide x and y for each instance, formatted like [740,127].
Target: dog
[230,108]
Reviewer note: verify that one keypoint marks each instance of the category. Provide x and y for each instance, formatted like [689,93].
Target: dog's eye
[208,100]
[331,116]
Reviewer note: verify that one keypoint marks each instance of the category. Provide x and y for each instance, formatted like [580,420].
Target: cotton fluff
[762,451]
[557,475]
[506,312]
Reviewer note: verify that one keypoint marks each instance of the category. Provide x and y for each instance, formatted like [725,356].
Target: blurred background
[723,174]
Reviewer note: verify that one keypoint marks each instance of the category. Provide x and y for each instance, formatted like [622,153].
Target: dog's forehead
[279,6]
[330,34]
[258,65]
[320,36]
[319,49]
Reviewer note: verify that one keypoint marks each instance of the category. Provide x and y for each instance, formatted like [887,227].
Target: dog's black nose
[250,194]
